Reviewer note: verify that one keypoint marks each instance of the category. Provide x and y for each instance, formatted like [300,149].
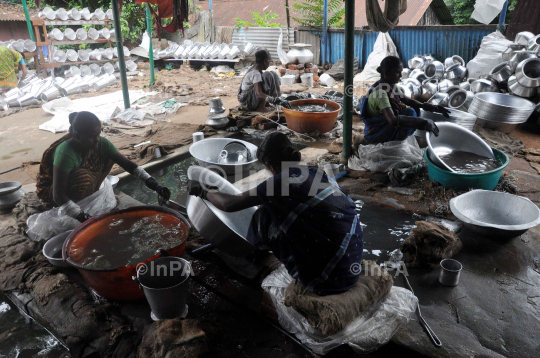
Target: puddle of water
[22,338]
[384,230]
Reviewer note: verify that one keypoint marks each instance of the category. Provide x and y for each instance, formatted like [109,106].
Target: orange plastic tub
[309,122]
[117,284]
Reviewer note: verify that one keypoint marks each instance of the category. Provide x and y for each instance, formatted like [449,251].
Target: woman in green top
[384,108]
[74,166]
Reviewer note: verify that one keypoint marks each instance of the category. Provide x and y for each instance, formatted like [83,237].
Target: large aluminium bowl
[495,214]
[498,107]
[454,137]
[309,122]
[207,151]
[464,119]
[116,283]
[225,231]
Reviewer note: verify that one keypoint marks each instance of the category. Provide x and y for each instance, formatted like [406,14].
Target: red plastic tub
[117,284]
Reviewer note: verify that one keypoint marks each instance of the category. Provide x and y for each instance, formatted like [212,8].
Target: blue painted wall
[440,42]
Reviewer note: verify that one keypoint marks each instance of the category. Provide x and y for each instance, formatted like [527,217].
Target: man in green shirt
[74,166]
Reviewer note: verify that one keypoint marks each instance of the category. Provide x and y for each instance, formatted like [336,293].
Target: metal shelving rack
[42,24]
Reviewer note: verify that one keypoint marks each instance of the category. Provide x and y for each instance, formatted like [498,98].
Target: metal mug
[450,270]
[197,136]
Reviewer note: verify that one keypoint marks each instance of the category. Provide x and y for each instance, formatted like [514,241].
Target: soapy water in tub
[312,108]
[127,242]
[469,163]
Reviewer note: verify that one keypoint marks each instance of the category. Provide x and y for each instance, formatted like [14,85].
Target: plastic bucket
[307,79]
[165,283]
[326,80]
[460,181]
[287,80]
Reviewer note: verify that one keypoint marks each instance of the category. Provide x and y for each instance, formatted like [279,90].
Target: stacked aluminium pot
[499,99]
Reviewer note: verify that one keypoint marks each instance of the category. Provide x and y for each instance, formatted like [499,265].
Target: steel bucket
[29,46]
[104,33]
[59,56]
[165,282]
[225,231]
[17,46]
[523,38]
[85,70]
[178,53]
[46,85]
[61,14]
[72,55]
[224,51]
[95,55]
[82,35]
[47,14]
[27,100]
[3,104]
[84,55]
[103,82]
[99,14]
[93,34]
[131,66]
[96,70]
[74,88]
[50,94]
[87,14]
[107,53]
[70,34]
[72,71]
[107,68]
[109,14]
[55,34]
[450,270]
[74,14]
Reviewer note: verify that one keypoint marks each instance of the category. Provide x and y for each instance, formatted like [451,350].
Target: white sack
[384,47]
[487,10]
[489,55]
[383,157]
[281,54]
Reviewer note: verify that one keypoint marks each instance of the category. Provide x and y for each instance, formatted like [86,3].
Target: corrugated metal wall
[441,41]
[264,37]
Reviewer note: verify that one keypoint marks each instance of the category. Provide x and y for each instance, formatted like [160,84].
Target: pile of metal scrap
[448,84]
[205,51]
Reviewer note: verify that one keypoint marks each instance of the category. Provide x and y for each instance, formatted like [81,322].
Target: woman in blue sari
[304,218]
[384,108]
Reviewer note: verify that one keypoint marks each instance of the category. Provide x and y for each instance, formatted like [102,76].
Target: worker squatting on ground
[259,89]
[384,108]
[10,62]
[74,166]
[309,223]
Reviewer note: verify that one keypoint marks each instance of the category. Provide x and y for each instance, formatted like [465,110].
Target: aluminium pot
[116,284]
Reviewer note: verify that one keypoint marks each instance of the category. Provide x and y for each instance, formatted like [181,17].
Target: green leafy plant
[258,20]
[311,13]
[462,10]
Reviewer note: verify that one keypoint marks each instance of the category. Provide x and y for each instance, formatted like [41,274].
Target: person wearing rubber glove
[259,88]
[384,109]
[74,166]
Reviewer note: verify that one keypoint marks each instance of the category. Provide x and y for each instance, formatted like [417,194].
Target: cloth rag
[331,314]
[428,245]
[380,21]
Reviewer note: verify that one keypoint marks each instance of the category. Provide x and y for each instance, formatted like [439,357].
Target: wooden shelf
[40,27]
[69,63]
[76,42]
[203,59]
[70,22]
